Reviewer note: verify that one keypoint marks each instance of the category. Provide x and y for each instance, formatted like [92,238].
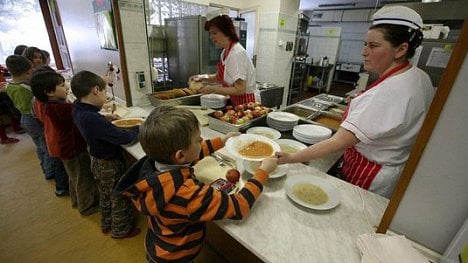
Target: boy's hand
[109,106]
[111,116]
[229,135]
[268,165]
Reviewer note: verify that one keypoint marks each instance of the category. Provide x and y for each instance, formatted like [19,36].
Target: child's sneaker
[132,233]
[9,140]
[62,193]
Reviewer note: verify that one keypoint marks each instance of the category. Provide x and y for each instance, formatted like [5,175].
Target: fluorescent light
[431,1]
[337,5]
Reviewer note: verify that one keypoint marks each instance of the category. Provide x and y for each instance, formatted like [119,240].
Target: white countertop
[278,230]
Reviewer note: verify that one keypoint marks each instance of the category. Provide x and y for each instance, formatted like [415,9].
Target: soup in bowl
[251,147]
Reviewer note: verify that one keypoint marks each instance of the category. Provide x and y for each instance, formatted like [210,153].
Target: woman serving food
[380,125]
[235,71]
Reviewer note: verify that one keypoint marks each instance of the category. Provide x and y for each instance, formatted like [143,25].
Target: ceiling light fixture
[336,5]
[431,1]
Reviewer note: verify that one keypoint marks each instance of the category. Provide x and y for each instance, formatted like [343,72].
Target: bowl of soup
[251,147]
[128,123]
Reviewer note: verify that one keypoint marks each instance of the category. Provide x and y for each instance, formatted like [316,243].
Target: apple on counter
[241,113]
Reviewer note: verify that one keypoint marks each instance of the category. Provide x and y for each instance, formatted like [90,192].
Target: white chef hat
[218,12]
[398,15]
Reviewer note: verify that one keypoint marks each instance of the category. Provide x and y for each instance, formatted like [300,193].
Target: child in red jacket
[63,139]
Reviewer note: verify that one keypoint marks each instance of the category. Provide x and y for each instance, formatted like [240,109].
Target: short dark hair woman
[235,73]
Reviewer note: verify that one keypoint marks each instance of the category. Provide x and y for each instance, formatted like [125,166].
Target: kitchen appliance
[188,49]
[271,95]
[241,29]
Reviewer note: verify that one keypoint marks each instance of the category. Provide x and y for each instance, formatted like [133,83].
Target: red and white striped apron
[357,169]
[235,100]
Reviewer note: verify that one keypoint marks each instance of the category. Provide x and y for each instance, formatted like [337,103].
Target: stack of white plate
[213,101]
[310,133]
[282,121]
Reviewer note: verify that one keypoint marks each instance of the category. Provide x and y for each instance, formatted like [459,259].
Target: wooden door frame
[46,14]
[446,83]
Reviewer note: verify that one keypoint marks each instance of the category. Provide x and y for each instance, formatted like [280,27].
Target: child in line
[34,55]
[162,186]
[9,115]
[19,49]
[64,139]
[21,95]
[104,141]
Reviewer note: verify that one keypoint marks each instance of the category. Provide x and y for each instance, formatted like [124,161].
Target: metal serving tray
[314,104]
[326,119]
[302,112]
[185,100]
[225,127]
[330,98]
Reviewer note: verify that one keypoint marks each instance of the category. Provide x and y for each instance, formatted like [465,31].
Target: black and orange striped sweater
[178,205]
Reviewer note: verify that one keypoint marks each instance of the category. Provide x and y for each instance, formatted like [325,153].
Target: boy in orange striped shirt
[162,186]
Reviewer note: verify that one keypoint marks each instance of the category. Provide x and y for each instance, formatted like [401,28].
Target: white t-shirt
[387,119]
[237,65]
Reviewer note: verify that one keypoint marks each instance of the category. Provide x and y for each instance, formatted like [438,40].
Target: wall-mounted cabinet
[327,15]
[355,15]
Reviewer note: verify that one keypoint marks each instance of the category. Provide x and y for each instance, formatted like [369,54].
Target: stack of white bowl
[282,121]
[213,101]
[310,133]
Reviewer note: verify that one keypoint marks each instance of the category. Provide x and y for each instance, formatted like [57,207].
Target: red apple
[239,113]
[239,107]
[233,119]
[256,113]
[230,112]
[233,175]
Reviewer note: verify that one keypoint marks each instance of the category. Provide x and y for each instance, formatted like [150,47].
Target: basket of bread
[177,96]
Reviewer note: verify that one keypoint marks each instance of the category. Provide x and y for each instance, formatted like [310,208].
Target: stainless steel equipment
[299,68]
[271,95]
[241,29]
[188,48]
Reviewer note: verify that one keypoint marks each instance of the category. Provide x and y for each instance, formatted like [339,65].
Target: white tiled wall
[352,38]
[323,42]
[273,61]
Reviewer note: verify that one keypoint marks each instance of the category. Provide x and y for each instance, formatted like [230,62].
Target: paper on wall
[439,57]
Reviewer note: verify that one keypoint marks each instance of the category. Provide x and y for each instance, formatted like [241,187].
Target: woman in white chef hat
[235,71]
[380,125]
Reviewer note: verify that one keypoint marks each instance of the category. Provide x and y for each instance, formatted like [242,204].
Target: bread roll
[195,84]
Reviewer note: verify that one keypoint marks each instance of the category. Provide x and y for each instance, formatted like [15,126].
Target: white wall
[83,44]
[86,54]
[435,204]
